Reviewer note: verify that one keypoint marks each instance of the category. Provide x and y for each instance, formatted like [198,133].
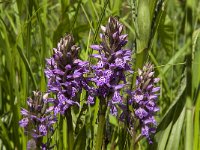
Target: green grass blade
[171,116]
[80,141]
[175,134]
[174,58]
[26,63]
[196,87]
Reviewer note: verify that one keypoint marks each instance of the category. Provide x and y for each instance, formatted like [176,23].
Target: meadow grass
[165,32]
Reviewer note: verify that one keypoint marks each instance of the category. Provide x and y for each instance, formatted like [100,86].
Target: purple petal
[150,120]
[145,131]
[153,97]
[119,62]
[90,100]
[54,89]
[138,97]
[24,122]
[123,37]
[76,61]
[108,73]
[118,53]
[156,80]
[156,89]
[115,35]
[116,98]
[141,113]
[113,110]
[96,47]
[156,109]
[101,81]
[100,64]
[43,130]
[119,86]
[150,105]
[96,56]
[77,74]
[50,61]
[149,87]
[58,72]
[56,110]
[24,112]
[68,67]
[122,43]
[50,109]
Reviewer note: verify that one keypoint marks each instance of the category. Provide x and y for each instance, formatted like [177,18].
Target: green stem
[133,142]
[189,99]
[189,105]
[101,127]
[70,130]
[60,127]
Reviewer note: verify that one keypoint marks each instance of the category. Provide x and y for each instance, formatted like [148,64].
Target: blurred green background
[165,32]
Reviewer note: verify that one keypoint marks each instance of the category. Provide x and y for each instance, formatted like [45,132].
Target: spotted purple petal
[141,113]
[24,122]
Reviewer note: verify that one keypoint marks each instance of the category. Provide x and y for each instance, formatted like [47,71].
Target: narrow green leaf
[113,120]
[167,35]
[86,15]
[179,53]
[4,136]
[174,138]
[28,68]
[80,141]
[170,117]
[196,87]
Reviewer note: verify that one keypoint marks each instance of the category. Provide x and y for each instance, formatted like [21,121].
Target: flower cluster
[38,120]
[144,100]
[106,79]
[113,62]
[65,74]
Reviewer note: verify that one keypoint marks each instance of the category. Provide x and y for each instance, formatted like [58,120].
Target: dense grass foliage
[165,32]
